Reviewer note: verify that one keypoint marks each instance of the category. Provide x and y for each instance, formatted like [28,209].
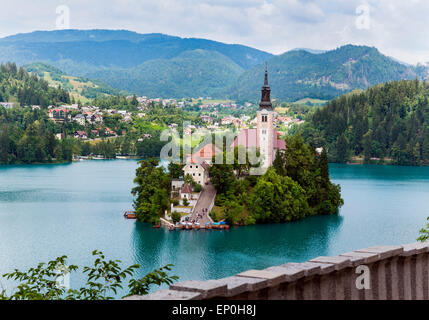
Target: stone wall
[376,273]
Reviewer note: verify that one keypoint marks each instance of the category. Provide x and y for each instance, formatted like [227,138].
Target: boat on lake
[131,215]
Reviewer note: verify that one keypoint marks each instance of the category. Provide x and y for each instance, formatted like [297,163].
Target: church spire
[266,93]
[266,75]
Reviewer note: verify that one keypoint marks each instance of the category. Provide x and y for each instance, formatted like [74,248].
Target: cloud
[397,27]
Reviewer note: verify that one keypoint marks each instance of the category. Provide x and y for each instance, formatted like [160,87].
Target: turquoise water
[50,210]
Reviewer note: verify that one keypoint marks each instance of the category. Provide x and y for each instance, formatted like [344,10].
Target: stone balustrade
[376,273]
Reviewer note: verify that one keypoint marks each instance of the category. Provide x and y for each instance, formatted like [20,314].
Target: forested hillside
[300,74]
[16,85]
[191,74]
[26,136]
[155,65]
[386,121]
[80,89]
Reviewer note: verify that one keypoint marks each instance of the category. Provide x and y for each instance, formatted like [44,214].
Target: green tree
[342,148]
[104,277]
[222,177]
[424,233]
[278,199]
[151,192]
[176,216]
[175,170]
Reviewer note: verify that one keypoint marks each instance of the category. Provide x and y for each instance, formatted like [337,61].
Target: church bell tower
[265,125]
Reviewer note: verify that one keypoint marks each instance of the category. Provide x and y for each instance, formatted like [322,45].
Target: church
[265,136]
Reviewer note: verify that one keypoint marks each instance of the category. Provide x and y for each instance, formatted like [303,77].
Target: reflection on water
[214,254]
[47,211]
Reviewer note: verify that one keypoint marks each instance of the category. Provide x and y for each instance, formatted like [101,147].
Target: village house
[95,119]
[80,135]
[198,171]
[237,122]
[80,119]
[227,120]
[198,164]
[205,154]
[176,184]
[145,136]
[207,119]
[7,105]
[186,192]
[109,132]
[59,115]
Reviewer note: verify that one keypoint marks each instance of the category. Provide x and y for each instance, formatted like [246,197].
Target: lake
[72,209]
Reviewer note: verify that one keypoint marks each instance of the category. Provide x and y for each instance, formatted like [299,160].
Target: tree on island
[311,171]
[152,191]
[298,185]
[278,199]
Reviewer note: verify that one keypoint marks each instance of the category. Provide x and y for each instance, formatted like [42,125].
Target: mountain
[301,74]
[192,73]
[147,64]
[112,49]
[81,89]
[159,65]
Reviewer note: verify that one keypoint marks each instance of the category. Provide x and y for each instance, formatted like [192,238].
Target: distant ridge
[299,74]
[314,51]
[160,65]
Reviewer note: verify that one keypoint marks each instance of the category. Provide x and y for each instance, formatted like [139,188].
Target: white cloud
[397,27]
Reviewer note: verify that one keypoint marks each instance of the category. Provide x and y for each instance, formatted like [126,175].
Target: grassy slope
[81,89]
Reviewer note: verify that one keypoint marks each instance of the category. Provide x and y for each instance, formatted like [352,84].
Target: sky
[397,28]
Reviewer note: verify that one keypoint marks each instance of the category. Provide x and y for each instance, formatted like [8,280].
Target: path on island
[207,197]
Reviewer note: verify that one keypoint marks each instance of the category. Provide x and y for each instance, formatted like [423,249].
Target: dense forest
[26,135]
[17,85]
[388,122]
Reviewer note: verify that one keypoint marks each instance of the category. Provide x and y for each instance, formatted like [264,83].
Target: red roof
[205,153]
[186,188]
[205,165]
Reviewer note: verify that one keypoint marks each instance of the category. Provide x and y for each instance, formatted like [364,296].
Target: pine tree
[324,167]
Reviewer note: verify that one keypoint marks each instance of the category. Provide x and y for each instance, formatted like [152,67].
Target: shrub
[176,217]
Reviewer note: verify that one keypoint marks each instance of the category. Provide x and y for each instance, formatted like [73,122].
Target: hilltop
[160,65]
[301,74]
